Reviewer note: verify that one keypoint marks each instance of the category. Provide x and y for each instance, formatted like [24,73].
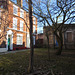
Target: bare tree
[31,61]
[56,14]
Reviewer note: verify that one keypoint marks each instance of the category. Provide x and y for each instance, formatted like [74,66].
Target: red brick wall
[9,24]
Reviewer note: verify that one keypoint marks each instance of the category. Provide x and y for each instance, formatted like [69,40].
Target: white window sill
[14,28]
[19,44]
[15,14]
[22,17]
[21,30]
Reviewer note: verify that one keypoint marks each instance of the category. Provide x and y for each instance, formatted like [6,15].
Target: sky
[39,28]
[40,25]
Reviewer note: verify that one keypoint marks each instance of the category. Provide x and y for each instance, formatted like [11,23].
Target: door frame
[9,32]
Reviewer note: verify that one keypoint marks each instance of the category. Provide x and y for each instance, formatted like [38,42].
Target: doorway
[9,43]
[9,40]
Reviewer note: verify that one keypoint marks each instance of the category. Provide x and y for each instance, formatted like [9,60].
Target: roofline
[17,5]
[21,7]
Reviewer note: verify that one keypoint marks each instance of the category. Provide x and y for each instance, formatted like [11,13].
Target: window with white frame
[19,39]
[34,20]
[21,25]
[21,13]
[15,9]
[33,29]
[14,23]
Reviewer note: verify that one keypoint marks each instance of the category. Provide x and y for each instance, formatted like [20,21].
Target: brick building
[68,37]
[14,26]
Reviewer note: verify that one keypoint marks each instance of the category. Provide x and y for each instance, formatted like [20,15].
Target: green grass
[18,62]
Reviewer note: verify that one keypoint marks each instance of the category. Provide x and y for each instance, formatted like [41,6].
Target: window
[21,25]
[15,10]
[14,23]
[33,29]
[34,20]
[21,13]
[51,39]
[69,37]
[19,39]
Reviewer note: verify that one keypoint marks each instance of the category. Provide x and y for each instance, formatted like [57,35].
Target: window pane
[69,37]
[15,10]
[19,40]
[21,25]
[34,20]
[33,29]
[14,23]
[21,13]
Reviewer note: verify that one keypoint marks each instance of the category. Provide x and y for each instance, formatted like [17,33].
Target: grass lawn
[18,62]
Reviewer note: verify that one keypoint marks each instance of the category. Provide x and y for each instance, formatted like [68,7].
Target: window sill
[15,14]
[19,44]
[22,17]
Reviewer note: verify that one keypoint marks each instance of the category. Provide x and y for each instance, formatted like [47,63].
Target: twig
[52,72]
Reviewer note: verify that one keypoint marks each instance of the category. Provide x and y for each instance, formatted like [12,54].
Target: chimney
[19,2]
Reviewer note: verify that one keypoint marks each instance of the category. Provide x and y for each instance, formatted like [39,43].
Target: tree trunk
[48,47]
[31,61]
[60,44]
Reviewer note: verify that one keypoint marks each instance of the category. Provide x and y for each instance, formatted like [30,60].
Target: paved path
[1,53]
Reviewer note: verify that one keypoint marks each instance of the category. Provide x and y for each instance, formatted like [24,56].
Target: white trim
[20,34]
[3,49]
[15,6]
[18,30]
